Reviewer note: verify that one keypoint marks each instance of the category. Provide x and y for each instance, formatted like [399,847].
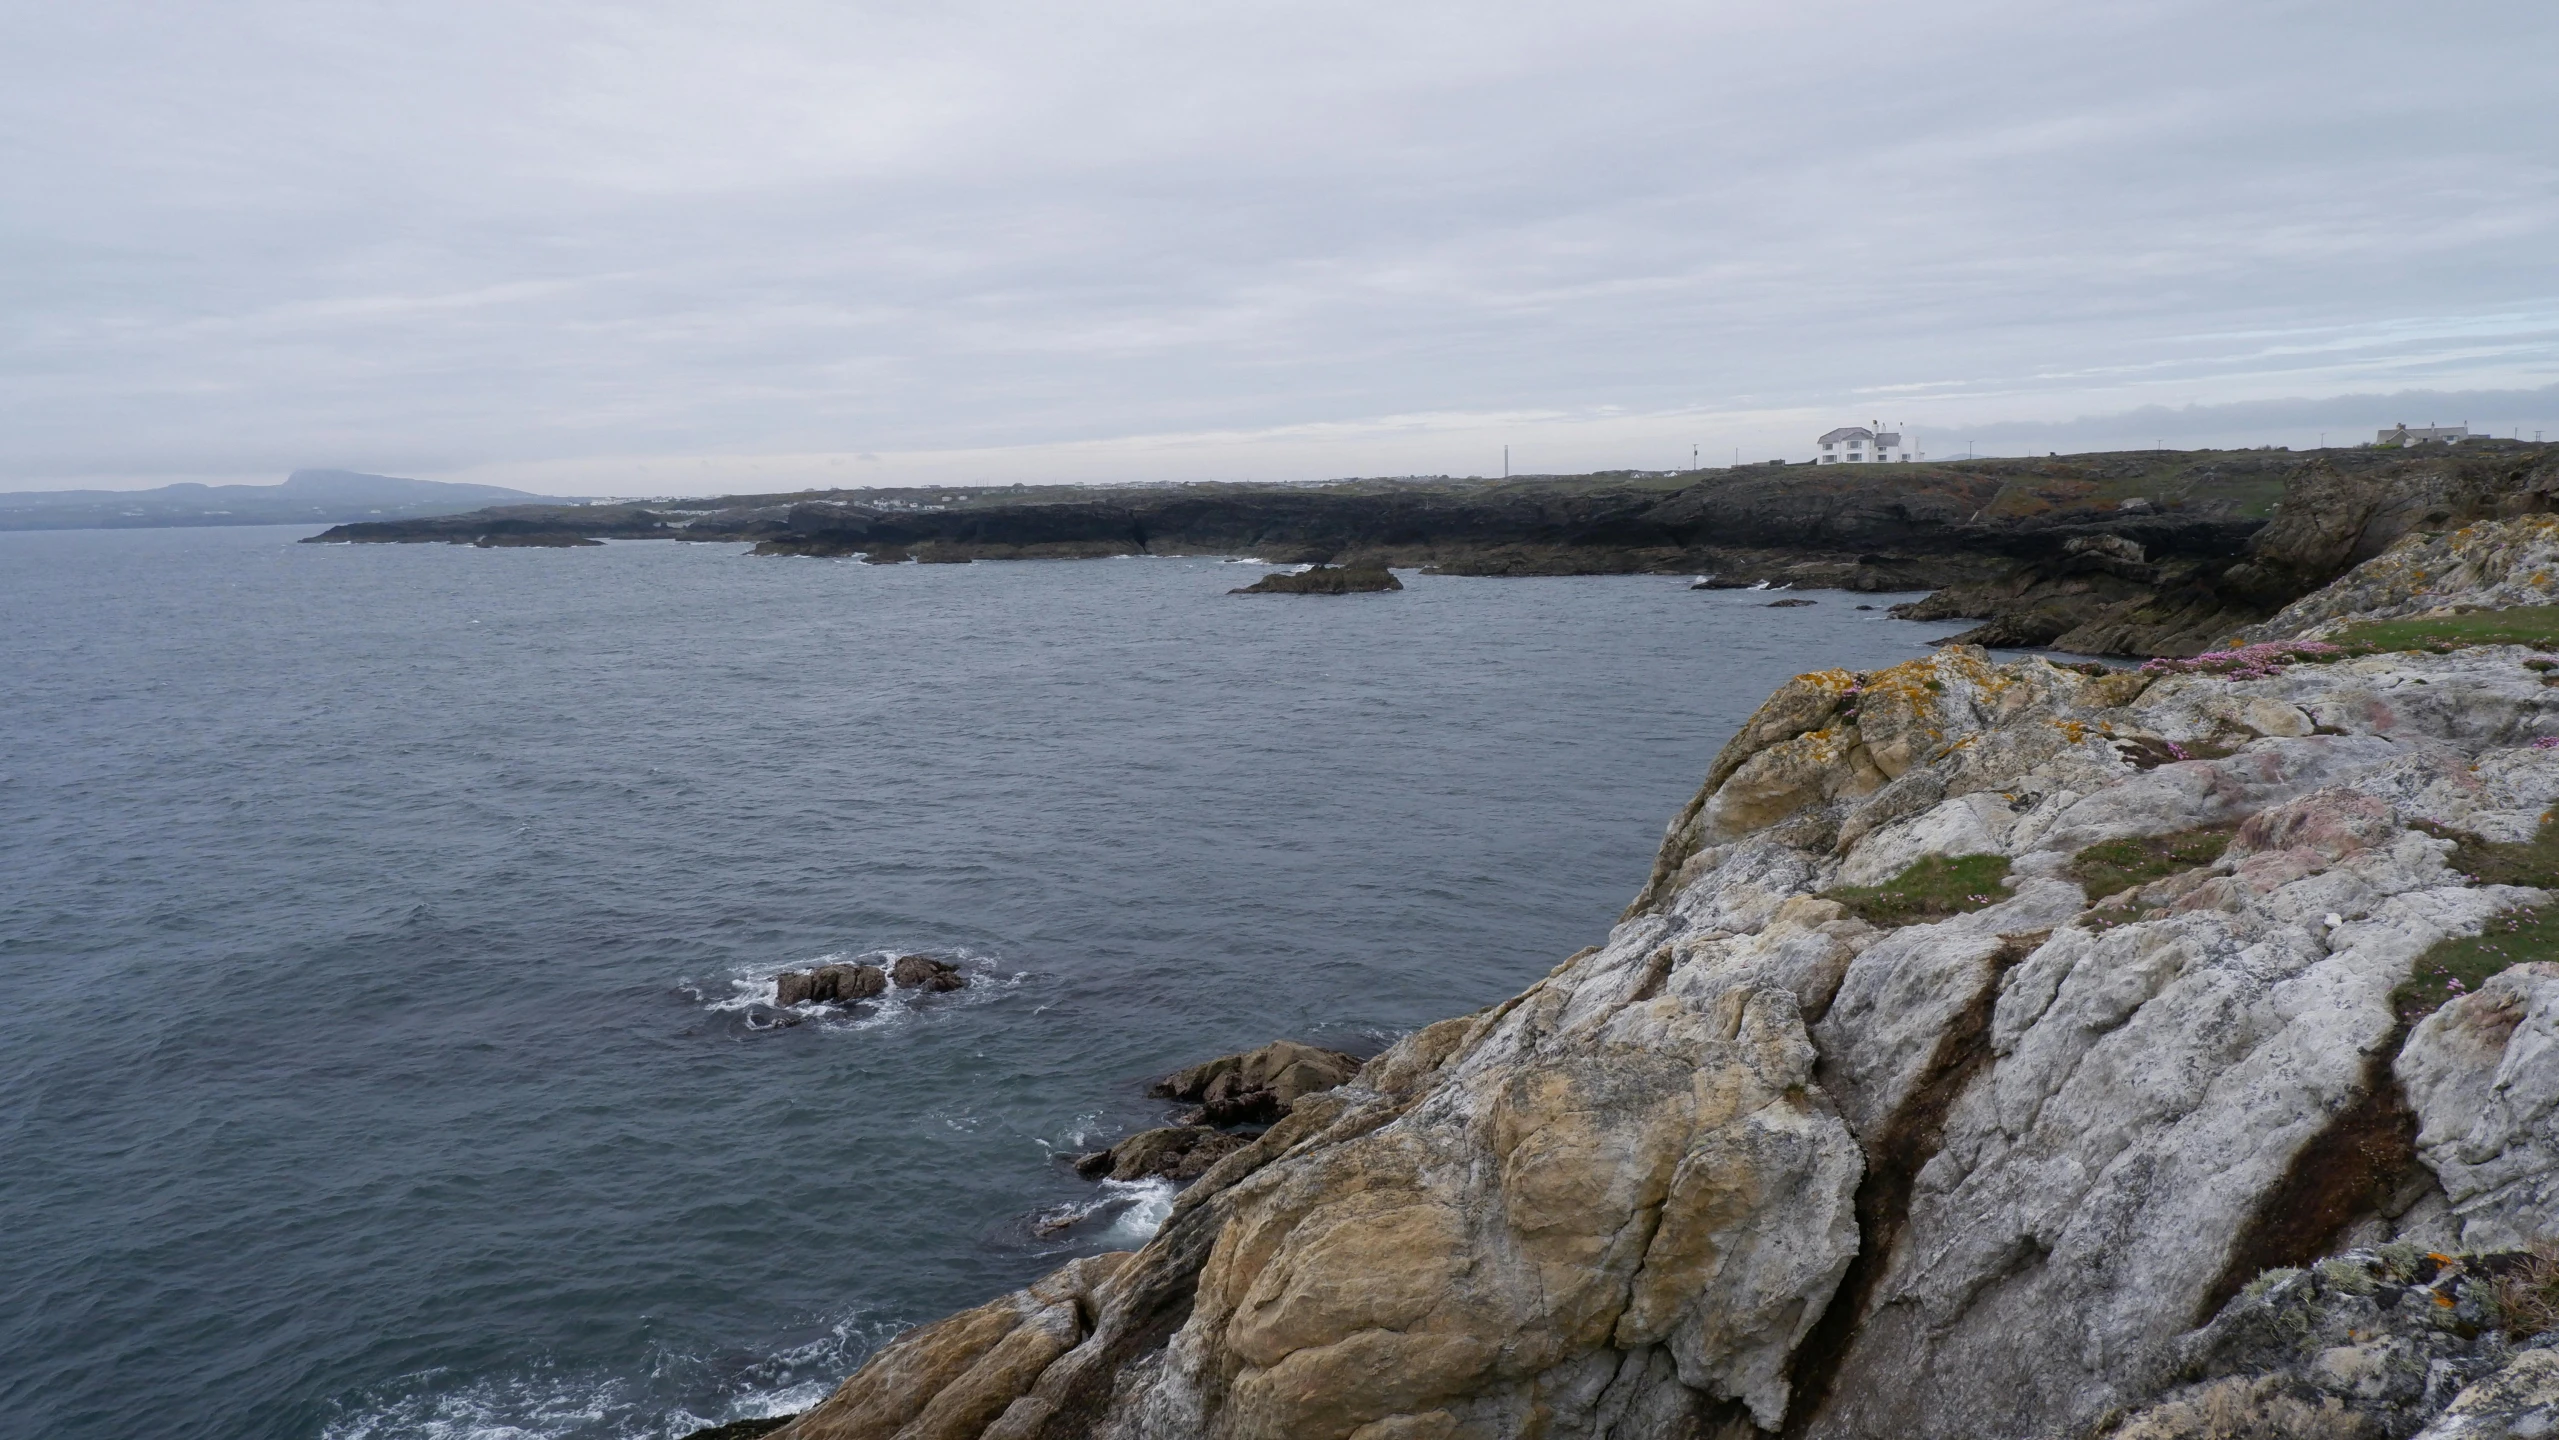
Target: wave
[676,1395]
[1134,1210]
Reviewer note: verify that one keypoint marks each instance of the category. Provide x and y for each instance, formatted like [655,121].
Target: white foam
[1149,1203]
[542,1403]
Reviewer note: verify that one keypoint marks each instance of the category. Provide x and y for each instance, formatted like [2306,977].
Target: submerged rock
[1323,580]
[1788,604]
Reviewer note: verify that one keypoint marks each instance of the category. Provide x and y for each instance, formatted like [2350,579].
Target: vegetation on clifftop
[1931,889]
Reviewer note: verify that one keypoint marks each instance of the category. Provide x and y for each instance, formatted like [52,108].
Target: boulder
[829,985]
[923,972]
[1796,604]
[1257,1086]
[1174,1152]
[2482,1075]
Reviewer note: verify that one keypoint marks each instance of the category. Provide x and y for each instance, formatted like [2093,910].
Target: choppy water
[377,926]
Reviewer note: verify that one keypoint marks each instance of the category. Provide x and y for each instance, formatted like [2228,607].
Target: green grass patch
[2112,866]
[1935,887]
[2456,967]
[2535,625]
[2533,862]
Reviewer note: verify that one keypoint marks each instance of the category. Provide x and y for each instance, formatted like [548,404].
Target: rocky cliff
[1988,1050]
[2144,553]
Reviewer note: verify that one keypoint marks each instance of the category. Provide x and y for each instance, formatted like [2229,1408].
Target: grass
[1933,888]
[2533,862]
[2456,967]
[2527,1296]
[2535,625]
[2113,866]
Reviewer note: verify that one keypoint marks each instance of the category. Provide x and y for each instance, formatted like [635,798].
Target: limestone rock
[2482,1074]
[951,1379]
[1755,1164]
[2519,1402]
[2491,565]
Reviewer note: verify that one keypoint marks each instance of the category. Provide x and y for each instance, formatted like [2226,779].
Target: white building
[2405,434]
[1858,443]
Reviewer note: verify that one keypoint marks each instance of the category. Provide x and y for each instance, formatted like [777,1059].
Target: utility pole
[1506,462]
[1692,457]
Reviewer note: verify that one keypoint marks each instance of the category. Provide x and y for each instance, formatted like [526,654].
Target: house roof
[1851,432]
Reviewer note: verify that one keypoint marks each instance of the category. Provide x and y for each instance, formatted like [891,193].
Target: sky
[650,248]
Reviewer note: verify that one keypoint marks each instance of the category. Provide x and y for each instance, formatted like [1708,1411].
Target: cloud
[479,239]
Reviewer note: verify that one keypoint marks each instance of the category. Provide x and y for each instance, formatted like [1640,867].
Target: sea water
[387,934]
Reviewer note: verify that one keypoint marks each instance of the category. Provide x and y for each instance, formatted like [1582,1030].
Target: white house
[2406,434]
[1857,443]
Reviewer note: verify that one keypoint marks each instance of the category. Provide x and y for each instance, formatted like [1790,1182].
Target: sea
[388,933]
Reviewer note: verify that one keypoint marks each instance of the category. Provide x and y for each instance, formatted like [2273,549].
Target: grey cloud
[474,236]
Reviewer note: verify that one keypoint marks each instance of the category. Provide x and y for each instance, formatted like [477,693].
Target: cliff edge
[1989,1049]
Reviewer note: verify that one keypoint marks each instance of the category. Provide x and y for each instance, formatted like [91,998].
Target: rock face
[2482,1075]
[2370,1344]
[1755,1165]
[2491,565]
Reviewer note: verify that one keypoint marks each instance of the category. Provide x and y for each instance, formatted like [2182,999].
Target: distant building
[2422,434]
[1857,443]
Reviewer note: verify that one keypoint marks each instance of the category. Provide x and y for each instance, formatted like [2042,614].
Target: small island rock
[1323,580]
[829,985]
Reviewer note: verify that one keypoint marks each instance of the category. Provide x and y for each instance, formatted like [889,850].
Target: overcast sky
[649,248]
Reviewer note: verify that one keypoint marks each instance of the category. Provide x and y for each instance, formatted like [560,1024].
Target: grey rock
[2482,1074]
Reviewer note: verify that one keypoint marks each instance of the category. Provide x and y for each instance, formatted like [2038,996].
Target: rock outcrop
[1323,580]
[1171,1152]
[1257,1086]
[923,972]
[1756,1165]
[830,985]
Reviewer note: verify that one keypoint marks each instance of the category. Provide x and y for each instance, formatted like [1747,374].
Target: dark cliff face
[2177,597]
[2142,553]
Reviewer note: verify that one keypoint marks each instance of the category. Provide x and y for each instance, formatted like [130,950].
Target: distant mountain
[307,497]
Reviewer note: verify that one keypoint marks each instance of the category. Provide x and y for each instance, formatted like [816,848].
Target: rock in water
[923,972]
[1257,1086]
[1175,1152]
[1788,604]
[1323,580]
[829,985]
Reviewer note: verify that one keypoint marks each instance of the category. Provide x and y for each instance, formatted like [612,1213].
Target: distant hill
[307,497]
